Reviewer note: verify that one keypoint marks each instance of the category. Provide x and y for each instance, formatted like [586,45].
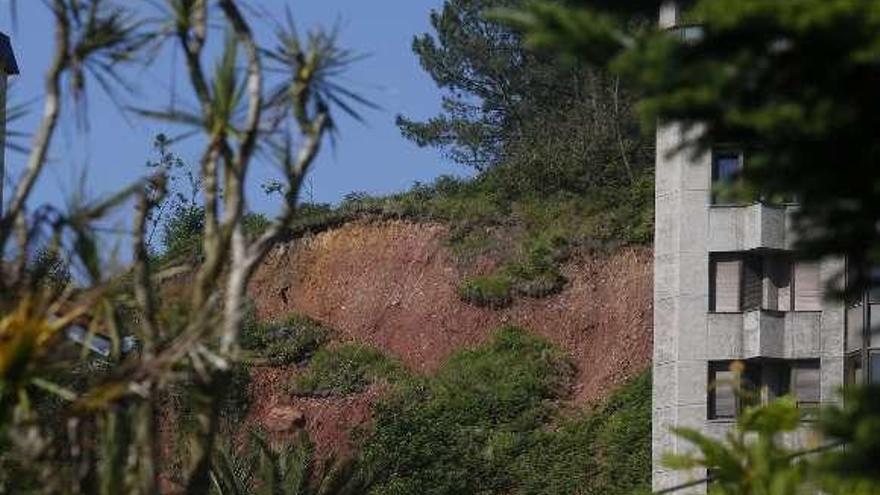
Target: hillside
[392,285]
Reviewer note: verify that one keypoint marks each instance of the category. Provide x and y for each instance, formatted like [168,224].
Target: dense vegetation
[490,420]
[493,419]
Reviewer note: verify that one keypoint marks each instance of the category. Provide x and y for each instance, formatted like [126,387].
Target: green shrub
[461,430]
[344,370]
[537,273]
[182,233]
[605,451]
[487,423]
[291,340]
[492,290]
[254,224]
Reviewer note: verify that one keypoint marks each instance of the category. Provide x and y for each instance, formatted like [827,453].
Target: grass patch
[487,423]
[493,291]
[344,370]
[291,340]
[535,273]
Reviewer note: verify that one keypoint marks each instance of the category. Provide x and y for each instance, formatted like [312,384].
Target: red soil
[393,285]
[328,421]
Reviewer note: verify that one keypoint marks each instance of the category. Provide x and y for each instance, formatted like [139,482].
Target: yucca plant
[104,438]
[288,469]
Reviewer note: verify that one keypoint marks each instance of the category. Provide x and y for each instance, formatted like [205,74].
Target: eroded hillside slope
[393,285]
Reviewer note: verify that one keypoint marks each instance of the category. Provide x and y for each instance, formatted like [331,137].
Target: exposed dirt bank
[393,285]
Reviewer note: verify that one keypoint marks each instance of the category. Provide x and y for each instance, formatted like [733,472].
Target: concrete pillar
[681,296]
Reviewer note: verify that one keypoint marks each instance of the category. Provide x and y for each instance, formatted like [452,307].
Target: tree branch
[143,289]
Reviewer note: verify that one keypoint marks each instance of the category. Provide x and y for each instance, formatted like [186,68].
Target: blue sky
[372,157]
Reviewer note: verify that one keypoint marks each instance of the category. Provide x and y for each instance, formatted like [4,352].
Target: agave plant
[291,469]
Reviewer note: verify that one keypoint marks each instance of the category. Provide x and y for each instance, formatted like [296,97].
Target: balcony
[763,333]
[751,226]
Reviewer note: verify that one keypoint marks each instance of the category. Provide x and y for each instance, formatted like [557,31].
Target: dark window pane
[689,34]
[875,367]
[854,328]
[776,380]
[778,273]
[875,285]
[873,337]
[753,287]
[806,383]
[723,395]
[727,168]
[853,371]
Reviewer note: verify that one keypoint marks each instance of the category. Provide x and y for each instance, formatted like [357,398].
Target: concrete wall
[681,294]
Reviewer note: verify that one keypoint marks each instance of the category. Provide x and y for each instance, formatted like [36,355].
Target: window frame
[794,285]
[714,258]
[711,403]
[754,273]
[795,368]
[718,152]
[767,379]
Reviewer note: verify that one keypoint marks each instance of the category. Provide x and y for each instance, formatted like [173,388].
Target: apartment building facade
[729,287]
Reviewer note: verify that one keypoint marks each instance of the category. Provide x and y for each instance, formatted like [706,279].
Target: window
[853,371]
[763,280]
[807,286]
[760,381]
[806,383]
[723,385]
[689,33]
[756,382]
[777,283]
[752,283]
[874,372]
[874,281]
[726,172]
[725,274]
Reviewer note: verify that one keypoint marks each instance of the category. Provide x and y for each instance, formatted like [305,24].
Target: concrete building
[8,67]
[728,287]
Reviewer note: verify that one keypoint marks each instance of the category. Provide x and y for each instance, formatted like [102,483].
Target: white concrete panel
[763,334]
[665,385]
[832,376]
[693,276]
[665,330]
[803,337]
[666,276]
[725,336]
[693,378]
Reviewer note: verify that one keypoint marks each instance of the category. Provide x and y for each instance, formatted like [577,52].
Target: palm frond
[307,70]
[103,36]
